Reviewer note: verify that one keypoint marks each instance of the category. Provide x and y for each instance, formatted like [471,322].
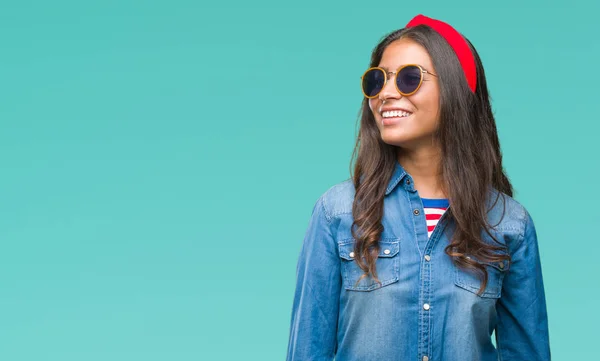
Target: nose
[389,89]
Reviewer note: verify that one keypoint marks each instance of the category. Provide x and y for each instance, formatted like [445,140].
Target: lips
[387,109]
[393,120]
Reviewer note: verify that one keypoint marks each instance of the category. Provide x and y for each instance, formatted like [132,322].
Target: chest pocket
[470,281]
[387,265]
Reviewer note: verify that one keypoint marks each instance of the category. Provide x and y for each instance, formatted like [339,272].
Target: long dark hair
[471,160]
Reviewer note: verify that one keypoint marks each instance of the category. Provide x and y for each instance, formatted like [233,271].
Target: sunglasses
[408,80]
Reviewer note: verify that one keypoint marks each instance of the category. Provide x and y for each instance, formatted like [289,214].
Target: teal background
[159,162]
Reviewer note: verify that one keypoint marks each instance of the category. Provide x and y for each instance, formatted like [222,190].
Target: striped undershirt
[434,208]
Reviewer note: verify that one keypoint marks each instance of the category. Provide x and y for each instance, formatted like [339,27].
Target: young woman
[423,254]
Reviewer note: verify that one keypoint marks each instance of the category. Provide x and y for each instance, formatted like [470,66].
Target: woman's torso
[426,307]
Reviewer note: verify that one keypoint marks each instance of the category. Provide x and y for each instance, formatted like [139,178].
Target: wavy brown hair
[471,161]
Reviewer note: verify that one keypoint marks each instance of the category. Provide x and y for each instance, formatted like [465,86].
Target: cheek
[427,104]
[433,105]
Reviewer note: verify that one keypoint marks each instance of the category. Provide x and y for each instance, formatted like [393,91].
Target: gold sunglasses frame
[386,78]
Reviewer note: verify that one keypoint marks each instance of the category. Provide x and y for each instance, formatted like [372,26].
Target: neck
[424,166]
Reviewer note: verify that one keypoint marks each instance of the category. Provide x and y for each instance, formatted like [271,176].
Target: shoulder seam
[524,228]
[325,212]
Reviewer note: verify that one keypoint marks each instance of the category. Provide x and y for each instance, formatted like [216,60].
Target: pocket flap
[387,248]
[500,266]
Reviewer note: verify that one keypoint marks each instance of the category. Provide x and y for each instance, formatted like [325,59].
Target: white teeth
[395,113]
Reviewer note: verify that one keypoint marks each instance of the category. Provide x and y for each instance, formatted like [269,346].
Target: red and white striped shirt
[434,208]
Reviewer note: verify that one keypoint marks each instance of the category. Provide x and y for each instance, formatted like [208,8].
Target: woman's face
[417,128]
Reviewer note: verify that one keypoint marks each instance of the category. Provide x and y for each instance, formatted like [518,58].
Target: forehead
[405,51]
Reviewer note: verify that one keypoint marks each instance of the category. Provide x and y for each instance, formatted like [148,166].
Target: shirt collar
[396,177]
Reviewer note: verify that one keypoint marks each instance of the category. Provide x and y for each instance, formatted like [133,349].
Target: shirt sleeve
[522,330]
[313,328]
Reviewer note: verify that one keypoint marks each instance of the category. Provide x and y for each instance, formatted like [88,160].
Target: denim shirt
[426,308]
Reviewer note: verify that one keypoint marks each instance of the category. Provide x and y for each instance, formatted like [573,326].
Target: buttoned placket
[427,246]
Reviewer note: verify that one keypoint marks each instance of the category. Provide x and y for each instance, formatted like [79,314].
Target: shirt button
[416,212]
[387,251]
[426,306]
[351,254]
[501,265]
[408,181]
[427,257]
[425,358]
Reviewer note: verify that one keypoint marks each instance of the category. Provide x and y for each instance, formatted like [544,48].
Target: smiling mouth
[395,114]
[395,119]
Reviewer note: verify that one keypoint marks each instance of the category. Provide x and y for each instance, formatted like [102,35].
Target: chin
[393,138]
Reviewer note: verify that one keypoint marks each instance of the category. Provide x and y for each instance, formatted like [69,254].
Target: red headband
[456,41]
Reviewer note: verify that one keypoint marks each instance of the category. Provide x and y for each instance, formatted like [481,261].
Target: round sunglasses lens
[408,79]
[372,82]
